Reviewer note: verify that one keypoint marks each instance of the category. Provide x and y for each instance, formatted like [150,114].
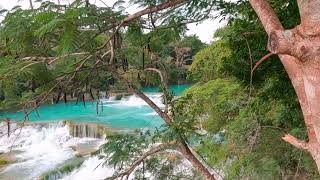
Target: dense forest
[231,120]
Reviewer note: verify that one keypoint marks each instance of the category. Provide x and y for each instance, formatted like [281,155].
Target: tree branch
[31,4]
[259,62]
[135,91]
[165,5]
[150,152]
[183,146]
[164,82]
[267,16]
[157,71]
[52,59]
[310,16]
[295,142]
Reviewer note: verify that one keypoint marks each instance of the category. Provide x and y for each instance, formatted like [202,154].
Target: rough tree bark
[299,52]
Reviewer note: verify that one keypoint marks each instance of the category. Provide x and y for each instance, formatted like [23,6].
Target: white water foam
[44,148]
[37,149]
[90,169]
[151,114]
[135,101]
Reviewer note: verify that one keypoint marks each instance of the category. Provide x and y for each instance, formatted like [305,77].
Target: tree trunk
[299,52]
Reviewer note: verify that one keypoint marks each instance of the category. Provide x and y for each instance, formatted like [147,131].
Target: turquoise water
[130,112]
[176,89]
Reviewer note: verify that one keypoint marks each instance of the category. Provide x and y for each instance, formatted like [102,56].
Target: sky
[203,30]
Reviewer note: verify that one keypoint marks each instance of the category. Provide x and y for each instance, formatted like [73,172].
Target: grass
[66,168]
[3,162]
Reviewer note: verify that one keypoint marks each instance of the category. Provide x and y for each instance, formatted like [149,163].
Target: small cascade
[85,130]
[135,101]
[65,149]
[46,145]
[92,169]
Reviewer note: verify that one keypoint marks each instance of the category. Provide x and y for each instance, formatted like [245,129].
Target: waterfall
[82,130]
[40,148]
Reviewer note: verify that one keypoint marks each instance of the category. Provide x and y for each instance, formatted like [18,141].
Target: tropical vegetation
[231,120]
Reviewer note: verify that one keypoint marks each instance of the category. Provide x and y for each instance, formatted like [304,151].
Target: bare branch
[295,142]
[191,157]
[31,5]
[165,5]
[164,82]
[50,60]
[183,146]
[150,152]
[259,62]
[157,71]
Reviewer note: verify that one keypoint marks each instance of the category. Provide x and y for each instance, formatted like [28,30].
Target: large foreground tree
[299,52]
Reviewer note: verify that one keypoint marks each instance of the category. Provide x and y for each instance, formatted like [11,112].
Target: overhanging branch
[150,152]
[165,5]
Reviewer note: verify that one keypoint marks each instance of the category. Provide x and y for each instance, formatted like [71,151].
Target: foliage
[53,30]
[249,141]
[250,131]
[209,62]
[122,149]
[243,117]
[66,168]
[3,162]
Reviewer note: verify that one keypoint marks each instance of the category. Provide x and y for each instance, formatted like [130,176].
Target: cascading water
[38,149]
[90,169]
[35,147]
[84,130]
[41,148]
[135,101]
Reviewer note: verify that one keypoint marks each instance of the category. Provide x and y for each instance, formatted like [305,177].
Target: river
[65,133]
